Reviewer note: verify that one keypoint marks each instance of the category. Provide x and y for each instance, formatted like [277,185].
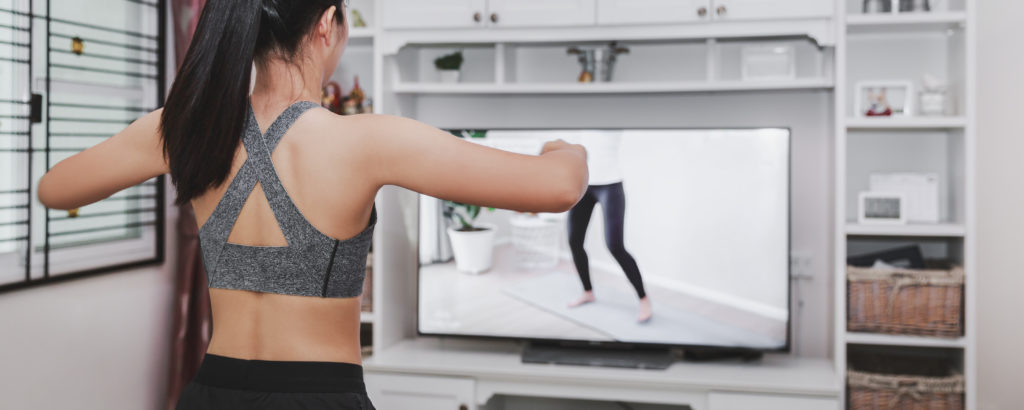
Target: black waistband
[280,376]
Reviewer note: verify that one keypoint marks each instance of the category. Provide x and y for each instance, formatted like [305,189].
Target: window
[73,73]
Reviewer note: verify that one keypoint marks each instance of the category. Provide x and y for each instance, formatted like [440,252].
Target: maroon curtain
[192,322]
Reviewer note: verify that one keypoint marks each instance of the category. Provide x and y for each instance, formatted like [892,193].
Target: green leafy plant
[451,61]
[469,133]
[463,215]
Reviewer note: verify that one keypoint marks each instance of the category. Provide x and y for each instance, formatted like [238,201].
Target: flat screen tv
[695,220]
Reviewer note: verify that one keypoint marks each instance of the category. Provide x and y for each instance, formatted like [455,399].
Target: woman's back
[259,281]
[284,278]
[287,210]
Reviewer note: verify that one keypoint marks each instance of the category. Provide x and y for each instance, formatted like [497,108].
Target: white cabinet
[393,391]
[494,13]
[652,11]
[746,401]
[770,9]
[526,13]
[682,11]
[433,13]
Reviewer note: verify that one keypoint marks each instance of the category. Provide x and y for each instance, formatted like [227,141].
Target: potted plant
[472,244]
[449,66]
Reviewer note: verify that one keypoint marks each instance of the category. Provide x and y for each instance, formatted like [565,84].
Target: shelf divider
[902,340]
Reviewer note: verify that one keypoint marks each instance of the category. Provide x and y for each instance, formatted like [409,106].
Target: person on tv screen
[605,188]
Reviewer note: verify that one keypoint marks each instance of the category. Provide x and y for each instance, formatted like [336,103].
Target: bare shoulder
[368,134]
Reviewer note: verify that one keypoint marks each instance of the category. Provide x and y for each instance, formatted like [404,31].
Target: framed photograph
[768,62]
[882,208]
[884,98]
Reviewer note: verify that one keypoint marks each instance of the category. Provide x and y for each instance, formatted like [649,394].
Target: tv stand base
[586,355]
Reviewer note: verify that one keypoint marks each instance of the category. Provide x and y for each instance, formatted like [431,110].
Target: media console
[455,374]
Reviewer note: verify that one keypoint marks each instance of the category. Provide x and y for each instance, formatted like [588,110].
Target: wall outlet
[800,265]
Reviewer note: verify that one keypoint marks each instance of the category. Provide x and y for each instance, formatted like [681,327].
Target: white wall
[97,343]
[1000,199]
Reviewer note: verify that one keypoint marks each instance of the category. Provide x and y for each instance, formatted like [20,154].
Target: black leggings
[228,383]
[613,203]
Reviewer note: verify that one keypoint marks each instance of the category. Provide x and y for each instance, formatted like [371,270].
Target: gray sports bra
[312,264]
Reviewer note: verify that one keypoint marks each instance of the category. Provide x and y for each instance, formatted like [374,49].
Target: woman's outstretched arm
[419,157]
[129,158]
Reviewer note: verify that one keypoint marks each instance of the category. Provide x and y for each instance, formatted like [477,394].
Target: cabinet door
[433,13]
[652,11]
[541,13]
[392,391]
[771,9]
[743,401]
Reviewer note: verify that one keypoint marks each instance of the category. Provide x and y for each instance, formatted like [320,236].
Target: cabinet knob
[477,17]
[721,10]
[494,17]
[703,11]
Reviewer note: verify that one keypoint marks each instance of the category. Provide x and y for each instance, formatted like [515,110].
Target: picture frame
[882,208]
[884,99]
[768,62]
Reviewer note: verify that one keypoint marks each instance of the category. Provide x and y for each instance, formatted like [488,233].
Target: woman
[605,188]
[275,181]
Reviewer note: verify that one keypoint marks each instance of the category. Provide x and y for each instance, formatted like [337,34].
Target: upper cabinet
[567,13]
[434,13]
[770,9]
[652,11]
[534,13]
[491,13]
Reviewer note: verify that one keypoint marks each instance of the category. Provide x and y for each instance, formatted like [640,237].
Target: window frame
[78,261]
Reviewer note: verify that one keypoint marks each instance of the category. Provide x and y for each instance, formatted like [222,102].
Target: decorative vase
[473,250]
[450,76]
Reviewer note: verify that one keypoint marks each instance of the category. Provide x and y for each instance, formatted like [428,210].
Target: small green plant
[463,215]
[451,61]
[469,133]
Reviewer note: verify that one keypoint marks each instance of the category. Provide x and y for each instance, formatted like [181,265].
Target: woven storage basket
[880,391]
[925,302]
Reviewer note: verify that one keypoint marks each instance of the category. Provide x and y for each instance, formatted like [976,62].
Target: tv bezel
[787,348]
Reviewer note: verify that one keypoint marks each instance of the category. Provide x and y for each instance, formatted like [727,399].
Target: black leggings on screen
[613,205]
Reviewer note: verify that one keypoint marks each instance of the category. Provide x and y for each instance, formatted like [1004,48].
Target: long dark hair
[206,110]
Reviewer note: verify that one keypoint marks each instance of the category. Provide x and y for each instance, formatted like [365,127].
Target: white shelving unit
[677,75]
[910,230]
[921,22]
[609,88]
[901,340]
[905,47]
[909,123]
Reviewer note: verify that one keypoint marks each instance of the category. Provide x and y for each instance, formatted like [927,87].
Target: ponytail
[206,110]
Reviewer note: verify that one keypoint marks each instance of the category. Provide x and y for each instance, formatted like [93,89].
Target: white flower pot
[474,250]
[450,76]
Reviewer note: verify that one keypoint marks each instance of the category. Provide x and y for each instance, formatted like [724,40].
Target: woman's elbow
[47,194]
[572,189]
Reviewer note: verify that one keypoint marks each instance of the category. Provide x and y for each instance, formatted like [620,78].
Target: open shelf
[905,123]
[902,340]
[609,88]
[910,230]
[366,317]
[905,22]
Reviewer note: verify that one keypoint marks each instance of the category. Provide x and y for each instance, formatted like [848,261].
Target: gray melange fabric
[312,264]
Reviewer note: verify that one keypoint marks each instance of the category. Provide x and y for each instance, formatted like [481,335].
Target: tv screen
[682,239]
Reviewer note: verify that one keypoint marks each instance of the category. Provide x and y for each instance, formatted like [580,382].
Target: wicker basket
[880,391]
[925,302]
